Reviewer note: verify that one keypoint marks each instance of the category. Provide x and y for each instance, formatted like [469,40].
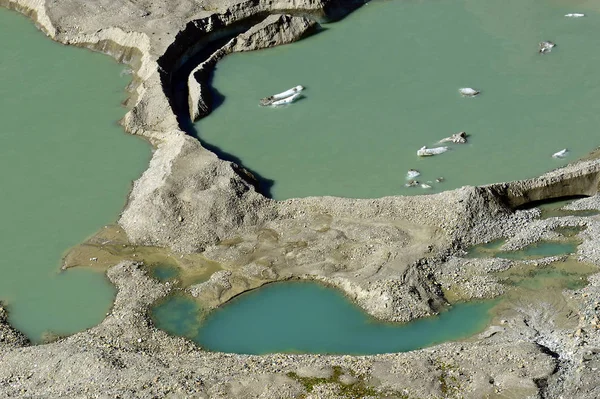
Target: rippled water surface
[383,83]
[66,168]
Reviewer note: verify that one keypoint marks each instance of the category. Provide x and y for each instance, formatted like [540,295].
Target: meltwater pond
[384,82]
[309,318]
[66,169]
[540,249]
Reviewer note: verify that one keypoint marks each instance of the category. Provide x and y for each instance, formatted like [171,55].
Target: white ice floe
[546,47]
[282,98]
[427,152]
[460,138]
[287,100]
[412,173]
[575,15]
[468,92]
[425,185]
[561,154]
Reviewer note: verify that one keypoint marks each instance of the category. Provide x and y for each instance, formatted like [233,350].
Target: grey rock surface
[9,337]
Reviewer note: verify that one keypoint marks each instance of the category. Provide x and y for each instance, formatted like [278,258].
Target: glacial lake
[379,85]
[384,82]
[301,317]
[66,170]
[305,317]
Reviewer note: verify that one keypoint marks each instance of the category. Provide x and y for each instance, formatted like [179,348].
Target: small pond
[305,317]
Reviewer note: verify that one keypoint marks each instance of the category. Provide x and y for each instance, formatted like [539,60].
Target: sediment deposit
[394,256]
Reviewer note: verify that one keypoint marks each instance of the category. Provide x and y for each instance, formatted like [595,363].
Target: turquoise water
[485,250]
[164,272]
[537,250]
[309,318]
[540,250]
[66,170]
[555,209]
[383,82]
[557,276]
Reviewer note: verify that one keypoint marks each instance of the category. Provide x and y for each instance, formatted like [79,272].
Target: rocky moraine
[399,258]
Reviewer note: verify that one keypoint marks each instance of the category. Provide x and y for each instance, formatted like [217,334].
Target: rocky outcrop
[580,179]
[36,10]
[187,188]
[273,31]
[9,337]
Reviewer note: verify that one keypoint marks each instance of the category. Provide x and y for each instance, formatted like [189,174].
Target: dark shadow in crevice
[178,95]
[179,87]
[549,201]
[260,183]
[213,100]
[193,42]
[191,47]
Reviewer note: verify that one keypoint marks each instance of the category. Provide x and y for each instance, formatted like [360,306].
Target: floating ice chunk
[460,138]
[427,152]
[468,92]
[284,101]
[272,100]
[561,154]
[425,185]
[412,173]
[575,15]
[546,47]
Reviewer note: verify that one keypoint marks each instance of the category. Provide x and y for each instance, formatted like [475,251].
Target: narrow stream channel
[538,250]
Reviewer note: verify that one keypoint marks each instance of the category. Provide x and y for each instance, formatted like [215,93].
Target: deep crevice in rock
[547,351]
[178,63]
[546,201]
[542,386]
[202,39]
[519,194]
[542,383]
